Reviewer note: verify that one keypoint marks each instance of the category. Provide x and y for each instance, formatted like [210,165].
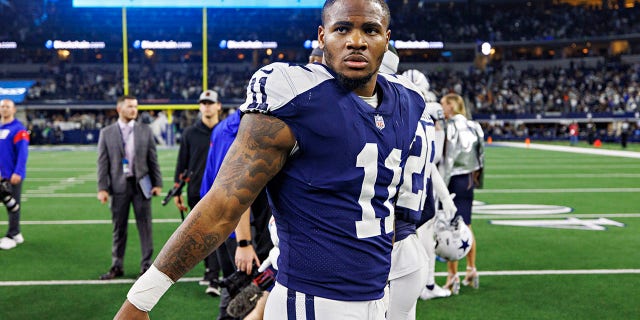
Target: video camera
[246,289]
[177,187]
[6,196]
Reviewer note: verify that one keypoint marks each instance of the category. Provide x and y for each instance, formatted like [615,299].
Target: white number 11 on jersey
[369,226]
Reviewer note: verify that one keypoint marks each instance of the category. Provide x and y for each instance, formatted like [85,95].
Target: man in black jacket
[192,159]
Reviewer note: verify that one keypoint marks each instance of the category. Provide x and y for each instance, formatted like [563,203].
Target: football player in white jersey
[434,108]
[330,142]
[410,263]
[426,231]
[408,272]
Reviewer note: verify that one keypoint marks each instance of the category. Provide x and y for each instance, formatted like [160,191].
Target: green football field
[558,238]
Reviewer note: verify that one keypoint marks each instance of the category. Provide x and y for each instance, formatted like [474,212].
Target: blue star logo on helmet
[464,245]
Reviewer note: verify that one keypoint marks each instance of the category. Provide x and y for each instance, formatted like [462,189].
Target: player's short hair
[382,3]
[121,99]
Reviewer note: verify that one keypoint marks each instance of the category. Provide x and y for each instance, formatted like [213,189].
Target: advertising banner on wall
[15,90]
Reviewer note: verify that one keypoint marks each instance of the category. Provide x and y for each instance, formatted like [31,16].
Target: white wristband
[145,293]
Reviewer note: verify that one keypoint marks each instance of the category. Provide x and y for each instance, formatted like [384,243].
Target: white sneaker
[18,238]
[7,243]
[213,291]
[436,292]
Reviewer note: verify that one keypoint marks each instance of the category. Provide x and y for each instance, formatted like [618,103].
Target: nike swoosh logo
[267,71]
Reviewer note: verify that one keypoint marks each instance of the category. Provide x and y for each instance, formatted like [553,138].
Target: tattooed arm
[257,154]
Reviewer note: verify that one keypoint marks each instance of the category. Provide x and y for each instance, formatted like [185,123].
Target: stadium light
[485,48]
[310,44]
[63,54]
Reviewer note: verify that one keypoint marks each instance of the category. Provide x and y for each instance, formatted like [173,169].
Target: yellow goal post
[169,109]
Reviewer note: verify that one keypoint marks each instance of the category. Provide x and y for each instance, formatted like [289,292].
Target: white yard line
[602,152]
[72,222]
[482,273]
[76,282]
[551,272]
[562,175]
[572,190]
[476,216]
[547,216]
[568,166]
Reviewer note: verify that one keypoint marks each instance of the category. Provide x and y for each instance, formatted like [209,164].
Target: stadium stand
[553,62]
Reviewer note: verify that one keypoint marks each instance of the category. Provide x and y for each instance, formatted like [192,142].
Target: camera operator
[14,149]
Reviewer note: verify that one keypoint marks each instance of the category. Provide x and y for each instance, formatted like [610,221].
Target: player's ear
[388,40]
[321,37]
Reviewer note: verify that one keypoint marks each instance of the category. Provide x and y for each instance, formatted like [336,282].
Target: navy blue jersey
[333,201]
[14,149]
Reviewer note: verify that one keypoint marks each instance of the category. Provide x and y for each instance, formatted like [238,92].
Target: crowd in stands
[502,92]
[604,88]
[588,132]
[51,126]
[516,21]
[148,82]
[33,22]
[497,90]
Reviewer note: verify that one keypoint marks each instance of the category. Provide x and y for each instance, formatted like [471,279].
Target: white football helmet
[453,239]
[418,78]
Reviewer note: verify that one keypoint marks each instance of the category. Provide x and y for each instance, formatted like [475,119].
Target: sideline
[71,222]
[84,147]
[439,274]
[602,152]
[574,190]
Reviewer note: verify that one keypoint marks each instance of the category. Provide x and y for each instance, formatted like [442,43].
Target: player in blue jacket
[243,249]
[14,149]
[330,142]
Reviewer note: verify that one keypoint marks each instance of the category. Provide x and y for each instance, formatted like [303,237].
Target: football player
[434,108]
[426,231]
[330,142]
[409,263]
[408,272]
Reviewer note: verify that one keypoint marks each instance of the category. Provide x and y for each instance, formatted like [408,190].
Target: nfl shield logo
[379,121]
